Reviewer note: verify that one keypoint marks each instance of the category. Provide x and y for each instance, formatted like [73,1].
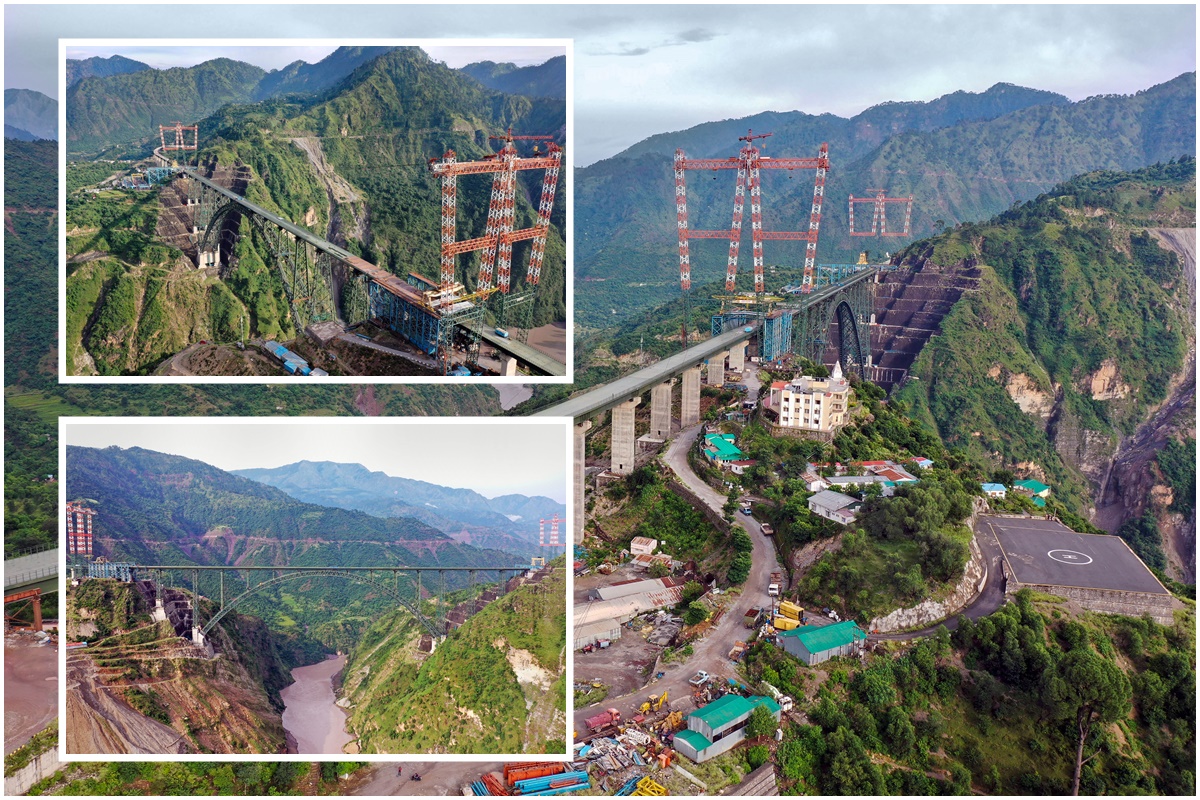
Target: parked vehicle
[773,586]
[700,678]
[602,721]
[767,529]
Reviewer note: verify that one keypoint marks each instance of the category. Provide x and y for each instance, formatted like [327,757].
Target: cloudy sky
[493,457]
[645,69]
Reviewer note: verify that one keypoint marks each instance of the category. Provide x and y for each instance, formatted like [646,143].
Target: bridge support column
[689,412]
[737,357]
[37,613]
[715,376]
[580,454]
[508,365]
[624,444]
[660,411]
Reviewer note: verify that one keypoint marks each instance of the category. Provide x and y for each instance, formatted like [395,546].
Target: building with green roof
[813,644]
[719,726]
[1032,488]
[720,447]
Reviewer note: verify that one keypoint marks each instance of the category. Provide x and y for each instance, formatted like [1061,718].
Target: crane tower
[554,539]
[497,240]
[748,163]
[879,201]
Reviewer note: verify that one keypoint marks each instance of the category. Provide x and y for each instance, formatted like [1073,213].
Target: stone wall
[1160,607]
[931,611]
[40,768]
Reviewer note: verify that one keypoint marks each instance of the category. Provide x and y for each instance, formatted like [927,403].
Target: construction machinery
[655,703]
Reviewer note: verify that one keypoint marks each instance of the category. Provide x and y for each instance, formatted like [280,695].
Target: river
[315,725]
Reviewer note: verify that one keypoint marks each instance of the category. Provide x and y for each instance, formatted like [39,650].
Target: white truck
[773,586]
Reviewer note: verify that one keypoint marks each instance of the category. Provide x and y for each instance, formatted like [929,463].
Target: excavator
[655,703]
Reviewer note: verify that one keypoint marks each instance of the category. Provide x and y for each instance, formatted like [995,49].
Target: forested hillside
[964,157]
[496,685]
[162,509]
[1080,328]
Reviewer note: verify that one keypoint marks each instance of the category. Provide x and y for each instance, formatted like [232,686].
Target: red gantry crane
[879,201]
[748,163]
[554,540]
[497,240]
[179,142]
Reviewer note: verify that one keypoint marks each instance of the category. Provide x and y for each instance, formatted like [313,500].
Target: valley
[337,167]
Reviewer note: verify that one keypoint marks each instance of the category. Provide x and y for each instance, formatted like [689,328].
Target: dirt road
[710,653]
[438,778]
[30,688]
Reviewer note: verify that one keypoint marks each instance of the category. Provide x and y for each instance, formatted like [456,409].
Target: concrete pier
[737,358]
[624,444]
[689,413]
[660,411]
[580,454]
[715,375]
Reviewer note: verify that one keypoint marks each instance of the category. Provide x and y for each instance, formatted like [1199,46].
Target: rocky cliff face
[1131,482]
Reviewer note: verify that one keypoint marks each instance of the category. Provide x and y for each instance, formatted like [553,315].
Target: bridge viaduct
[845,299]
[29,577]
[423,316]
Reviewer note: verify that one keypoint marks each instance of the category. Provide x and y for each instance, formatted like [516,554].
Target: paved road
[709,654]
[987,601]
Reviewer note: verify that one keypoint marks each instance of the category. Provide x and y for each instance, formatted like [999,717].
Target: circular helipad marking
[1069,557]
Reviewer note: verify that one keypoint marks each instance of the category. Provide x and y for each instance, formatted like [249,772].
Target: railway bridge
[403,585]
[840,306]
[323,281]
[30,576]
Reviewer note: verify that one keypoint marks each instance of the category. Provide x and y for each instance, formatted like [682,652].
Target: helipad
[1043,553]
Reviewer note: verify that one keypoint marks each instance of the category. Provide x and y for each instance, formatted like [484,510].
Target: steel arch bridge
[374,577]
[323,281]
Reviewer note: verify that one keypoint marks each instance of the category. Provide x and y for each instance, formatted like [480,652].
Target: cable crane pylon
[499,236]
[748,164]
[879,201]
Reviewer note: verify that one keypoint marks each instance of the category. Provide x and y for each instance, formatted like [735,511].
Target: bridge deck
[38,569]
[602,398]
[522,352]
[386,280]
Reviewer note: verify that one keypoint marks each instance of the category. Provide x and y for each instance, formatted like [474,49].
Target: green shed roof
[1040,502]
[1034,486]
[726,450]
[730,707]
[697,740]
[819,638]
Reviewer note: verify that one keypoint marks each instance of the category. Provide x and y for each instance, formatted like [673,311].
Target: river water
[314,723]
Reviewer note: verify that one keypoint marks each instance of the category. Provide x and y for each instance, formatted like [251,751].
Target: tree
[695,614]
[1092,690]
[761,723]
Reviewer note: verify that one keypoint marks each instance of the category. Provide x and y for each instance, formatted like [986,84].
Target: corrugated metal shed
[819,638]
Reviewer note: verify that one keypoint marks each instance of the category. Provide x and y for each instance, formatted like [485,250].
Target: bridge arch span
[328,573]
[850,350]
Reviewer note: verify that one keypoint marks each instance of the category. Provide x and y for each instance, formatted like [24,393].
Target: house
[721,450]
[813,482]
[889,470]
[719,726]
[740,467]
[995,490]
[834,506]
[923,463]
[642,545]
[812,404]
[813,644]
[1032,488]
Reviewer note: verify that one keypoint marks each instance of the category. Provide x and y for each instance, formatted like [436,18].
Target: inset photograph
[315,210]
[374,588]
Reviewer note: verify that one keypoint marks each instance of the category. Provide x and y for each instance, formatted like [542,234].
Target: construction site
[361,319]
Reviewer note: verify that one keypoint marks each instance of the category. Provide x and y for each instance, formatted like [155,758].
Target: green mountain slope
[1079,314]
[130,107]
[32,112]
[964,157]
[495,685]
[160,509]
[98,67]
[542,80]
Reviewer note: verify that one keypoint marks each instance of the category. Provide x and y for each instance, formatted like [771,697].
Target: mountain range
[121,103]
[29,115]
[542,80]
[155,505]
[100,67]
[509,522]
[963,157]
